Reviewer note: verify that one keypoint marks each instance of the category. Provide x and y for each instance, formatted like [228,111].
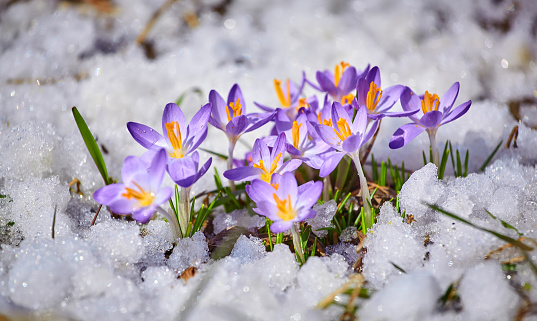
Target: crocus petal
[392,114]
[431,119]
[352,143]
[132,166]
[304,215]
[144,214]
[156,169]
[288,187]
[171,113]
[245,173]
[198,123]
[329,136]
[326,84]
[264,107]
[145,135]
[195,141]
[280,226]
[360,122]
[330,164]
[279,147]
[257,120]
[347,82]
[290,166]
[236,93]
[219,119]
[258,190]
[449,97]
[313,161]
[371,132]
[107,194]
[389,97]
[457,112]
[362,88]
[373,76]
[410,100]
[237,125]
[405,134]
[204,168]
[122,205]
[183,171]
[309,196]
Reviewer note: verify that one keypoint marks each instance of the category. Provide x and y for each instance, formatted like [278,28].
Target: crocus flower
[285,203]
[185,171]
[266,162]
[434,112]
[346,137]
[339,84]
[288,95]
[233,120]
[140,193]
[377,101]
[179,139]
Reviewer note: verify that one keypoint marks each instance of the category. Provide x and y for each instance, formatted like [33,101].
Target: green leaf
[502,237]
[443,162]
[222,156]
[487,161]
[92,146]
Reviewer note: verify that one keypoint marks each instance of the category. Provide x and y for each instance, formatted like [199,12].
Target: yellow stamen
[266,176]
[373,96]
[302,103]
[428,102]
[145,198]
[338,71]
[175,139]
[285,101]
[347,99]
[344,130]
[275,185]
[285,212]
[236,107]
[296,133]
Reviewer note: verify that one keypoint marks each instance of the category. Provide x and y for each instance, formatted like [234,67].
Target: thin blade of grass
[502,237]
[398,267]
[374,169]
[222,156]
[466,159]
[487,161]
[91,144]
[443,162]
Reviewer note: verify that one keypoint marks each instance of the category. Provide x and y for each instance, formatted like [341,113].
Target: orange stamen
[285,212]
[285,101]
[344,130]
[266,176]
[236,107]
[175,139]
[296,133]
[373,96]
[338,71]
[347,99]
[429,102]
[145,198]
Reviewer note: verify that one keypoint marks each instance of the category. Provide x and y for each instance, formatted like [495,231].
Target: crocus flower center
[347,99]
[429,102]
[296,136]
[285,100]
[338,71]
[285,212]
[373,96]
[343,130]
[145,198]
[268,174]
[236,107]
[174,135]
[327,122]
[302,103]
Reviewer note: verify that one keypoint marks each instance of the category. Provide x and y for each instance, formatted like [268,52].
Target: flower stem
[183,209]
[434,148]
[172,220]
[297,243]
[230,150]
[366,198]
[326,188]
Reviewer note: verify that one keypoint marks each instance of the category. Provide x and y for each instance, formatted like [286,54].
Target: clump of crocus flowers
[311,132]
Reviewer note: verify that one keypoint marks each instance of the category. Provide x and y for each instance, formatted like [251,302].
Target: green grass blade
[487,161]
[374,169]
[443,162]
[459,164]
[424,158]
[92,146]
[222,156]
[383,174]
[398,267]
[502,237]
[466,159]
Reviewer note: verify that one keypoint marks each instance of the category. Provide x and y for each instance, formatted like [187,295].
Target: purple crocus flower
[285,202]
[344,135]
[288,95]
[377,101]
[185,171]
[179,139]
[339,84]
[231,117]
[434,113]
[140,193]
[266,162]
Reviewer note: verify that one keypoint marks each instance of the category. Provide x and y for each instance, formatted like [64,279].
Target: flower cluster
[306,131]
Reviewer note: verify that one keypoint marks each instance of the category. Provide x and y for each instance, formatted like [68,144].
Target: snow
[55,55]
